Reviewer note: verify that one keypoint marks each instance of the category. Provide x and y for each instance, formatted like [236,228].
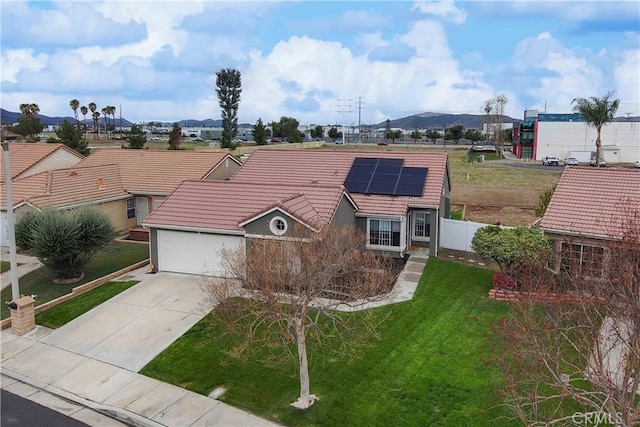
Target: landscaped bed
[430,367]
[113,257]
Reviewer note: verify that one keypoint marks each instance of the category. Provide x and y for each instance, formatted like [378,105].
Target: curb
[119,414]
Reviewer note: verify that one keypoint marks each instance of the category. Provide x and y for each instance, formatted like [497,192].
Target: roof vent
[72,173]
[100,183]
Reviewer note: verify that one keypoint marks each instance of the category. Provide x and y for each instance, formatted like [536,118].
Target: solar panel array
[372,175]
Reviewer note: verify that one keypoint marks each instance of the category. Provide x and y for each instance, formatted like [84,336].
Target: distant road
[20,412]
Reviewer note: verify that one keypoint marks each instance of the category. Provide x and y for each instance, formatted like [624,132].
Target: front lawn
[4,266]
[113,257]
[430,366]
[76,307]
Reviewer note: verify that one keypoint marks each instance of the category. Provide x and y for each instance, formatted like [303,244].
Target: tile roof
[592,201]
[67,187]
[155,171]
[24,156]
[224,205]
[330,167]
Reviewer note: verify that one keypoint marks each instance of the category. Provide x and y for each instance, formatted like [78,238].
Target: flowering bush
[503,281]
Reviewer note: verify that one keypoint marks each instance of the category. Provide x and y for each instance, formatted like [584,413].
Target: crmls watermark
[598,418]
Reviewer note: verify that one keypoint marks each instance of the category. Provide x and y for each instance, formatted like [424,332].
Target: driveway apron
[132,328]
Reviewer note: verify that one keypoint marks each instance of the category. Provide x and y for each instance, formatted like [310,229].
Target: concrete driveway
[136,325]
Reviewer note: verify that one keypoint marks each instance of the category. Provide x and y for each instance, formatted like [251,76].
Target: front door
[142,209]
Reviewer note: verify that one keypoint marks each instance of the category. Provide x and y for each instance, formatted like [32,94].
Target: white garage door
[4,230]
[194,253]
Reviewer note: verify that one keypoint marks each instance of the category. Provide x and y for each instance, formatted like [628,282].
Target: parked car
[339,141]
[571,161]
[551,161]
[636,164]
[382,143]
[592,162]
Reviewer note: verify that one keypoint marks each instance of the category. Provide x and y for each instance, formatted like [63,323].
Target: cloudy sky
[157,59]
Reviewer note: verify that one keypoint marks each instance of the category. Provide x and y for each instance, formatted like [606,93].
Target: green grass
[456,214]
[4,266]
[113,257]
[430,367]
[69,310]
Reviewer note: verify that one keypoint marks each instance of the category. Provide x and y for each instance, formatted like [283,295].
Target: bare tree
[295,291]
[494,119]
[571,349]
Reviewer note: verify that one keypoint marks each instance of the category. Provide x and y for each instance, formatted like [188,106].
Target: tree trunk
[598,147]
[306,399]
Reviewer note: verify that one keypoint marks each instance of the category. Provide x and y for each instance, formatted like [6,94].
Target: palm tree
[93,107]
[597,112]
[105,113]
[29,109]
[74,104]
[112,110]
[96,119]
[84,110]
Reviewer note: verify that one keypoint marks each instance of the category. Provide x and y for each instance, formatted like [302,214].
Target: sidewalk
[118,393]
[26,264]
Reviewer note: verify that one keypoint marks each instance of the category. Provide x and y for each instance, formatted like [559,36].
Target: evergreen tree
[71,136]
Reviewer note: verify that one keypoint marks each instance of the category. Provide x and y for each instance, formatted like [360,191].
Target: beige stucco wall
[59,159]
[223,171]
[117,211]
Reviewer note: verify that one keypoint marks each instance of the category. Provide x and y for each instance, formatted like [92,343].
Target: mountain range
[427,120]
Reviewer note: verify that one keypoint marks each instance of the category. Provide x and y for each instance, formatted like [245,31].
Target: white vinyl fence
[457,235]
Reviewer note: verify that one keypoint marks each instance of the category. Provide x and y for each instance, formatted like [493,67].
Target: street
[18,411]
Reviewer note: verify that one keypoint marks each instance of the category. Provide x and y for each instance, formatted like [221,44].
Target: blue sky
[157,59]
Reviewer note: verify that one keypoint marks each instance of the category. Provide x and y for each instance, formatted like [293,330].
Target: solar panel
[411,182]
[370,175]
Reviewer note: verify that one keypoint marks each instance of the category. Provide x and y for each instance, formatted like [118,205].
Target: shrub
[64,241]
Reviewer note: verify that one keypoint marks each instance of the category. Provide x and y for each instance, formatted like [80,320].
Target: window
[584,260]
[421,225]
[278,225]
[131,208]
[384,232]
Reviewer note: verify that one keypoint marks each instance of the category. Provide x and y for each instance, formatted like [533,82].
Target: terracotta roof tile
[154,171]
[23,156]
[67,187]
[224,205]
[323,167]
[592,201]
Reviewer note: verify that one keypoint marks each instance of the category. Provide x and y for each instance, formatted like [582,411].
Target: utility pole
[344,106]
[360,108]
[120,120]
[11,229]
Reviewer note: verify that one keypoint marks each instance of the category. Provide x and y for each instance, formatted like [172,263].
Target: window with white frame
[131,208]
[383,232]
[421,225]
[585,260]
[278,226]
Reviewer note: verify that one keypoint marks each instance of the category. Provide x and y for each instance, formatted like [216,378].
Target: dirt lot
[496,214]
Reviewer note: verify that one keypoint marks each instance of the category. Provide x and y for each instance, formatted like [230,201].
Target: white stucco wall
[620,140]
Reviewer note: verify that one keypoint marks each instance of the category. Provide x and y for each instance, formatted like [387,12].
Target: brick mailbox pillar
[23,317]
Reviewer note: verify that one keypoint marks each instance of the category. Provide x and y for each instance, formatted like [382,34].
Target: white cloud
[161,28]
[12,62]
[442,8]
[628,83]
[557,74]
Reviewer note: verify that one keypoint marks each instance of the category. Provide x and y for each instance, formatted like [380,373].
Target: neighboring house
[396,198]
[126,184]
[28,159]
[150,175]
[69,188]
[586,211]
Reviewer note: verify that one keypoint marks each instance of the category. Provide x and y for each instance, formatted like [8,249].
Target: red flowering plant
[503,281]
